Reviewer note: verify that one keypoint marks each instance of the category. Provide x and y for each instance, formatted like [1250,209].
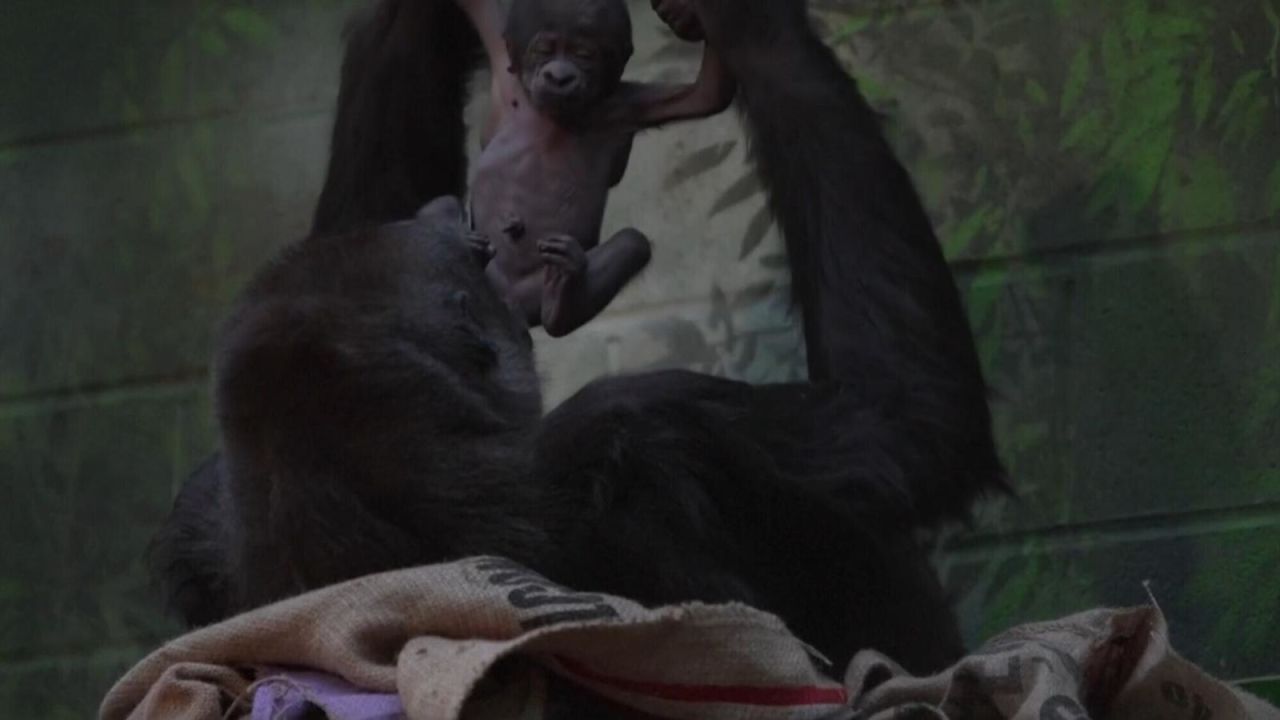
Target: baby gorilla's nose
[561,76]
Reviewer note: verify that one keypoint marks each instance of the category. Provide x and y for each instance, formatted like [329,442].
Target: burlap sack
[491,637]
[1113,664]
[434,633]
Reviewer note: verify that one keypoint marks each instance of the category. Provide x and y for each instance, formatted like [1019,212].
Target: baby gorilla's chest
[548,182]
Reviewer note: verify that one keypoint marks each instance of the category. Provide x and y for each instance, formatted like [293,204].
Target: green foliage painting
[129,176]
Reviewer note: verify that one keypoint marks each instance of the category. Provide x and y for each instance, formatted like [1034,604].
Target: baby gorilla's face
[563,74]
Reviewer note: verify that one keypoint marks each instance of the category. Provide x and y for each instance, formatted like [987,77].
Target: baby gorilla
[558,137]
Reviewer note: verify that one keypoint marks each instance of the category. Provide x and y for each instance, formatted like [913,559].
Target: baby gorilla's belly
[519,198]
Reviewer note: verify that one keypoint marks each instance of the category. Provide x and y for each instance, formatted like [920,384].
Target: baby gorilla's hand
[481,249]
[562,256]
[681,17]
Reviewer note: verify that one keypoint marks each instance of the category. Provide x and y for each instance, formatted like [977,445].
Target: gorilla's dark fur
[379,408]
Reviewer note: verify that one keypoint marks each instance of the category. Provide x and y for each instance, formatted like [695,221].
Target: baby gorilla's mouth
[561,103]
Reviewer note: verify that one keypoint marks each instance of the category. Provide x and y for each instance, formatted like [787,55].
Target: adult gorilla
[379,407]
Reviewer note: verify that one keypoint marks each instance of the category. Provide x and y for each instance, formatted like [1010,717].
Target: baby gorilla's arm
[651,105]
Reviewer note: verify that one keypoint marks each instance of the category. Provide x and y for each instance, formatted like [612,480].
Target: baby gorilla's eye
[543,45]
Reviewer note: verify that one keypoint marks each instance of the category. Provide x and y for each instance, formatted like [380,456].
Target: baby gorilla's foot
[564,264]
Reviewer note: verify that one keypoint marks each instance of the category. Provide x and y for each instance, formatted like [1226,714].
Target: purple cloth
[289,694]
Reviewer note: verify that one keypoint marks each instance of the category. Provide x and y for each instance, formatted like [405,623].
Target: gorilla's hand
[682,17]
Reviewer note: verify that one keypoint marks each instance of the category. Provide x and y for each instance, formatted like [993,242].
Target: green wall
[1105,177]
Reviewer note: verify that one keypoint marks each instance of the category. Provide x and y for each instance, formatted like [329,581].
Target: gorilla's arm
[880,307]
[399,139]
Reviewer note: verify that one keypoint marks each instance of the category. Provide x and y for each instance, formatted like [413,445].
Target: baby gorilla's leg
[577,285]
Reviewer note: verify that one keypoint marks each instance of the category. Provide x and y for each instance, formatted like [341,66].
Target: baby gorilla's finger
[566,245]
[554,253]
[557,243]
[562,253]
[480,247]
[557,262]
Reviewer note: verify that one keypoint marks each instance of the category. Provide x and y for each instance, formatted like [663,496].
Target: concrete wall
[1105,176]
